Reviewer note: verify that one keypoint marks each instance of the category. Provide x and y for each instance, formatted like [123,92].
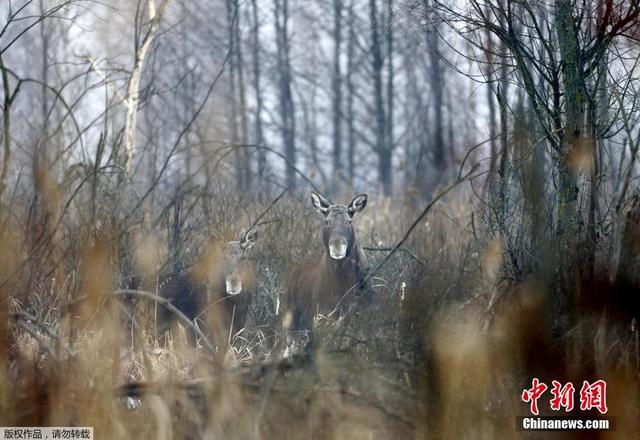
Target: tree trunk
[310,134]
[390,78]
[503,176]
[493,158]
[377,64]
[351,133]
[628,271]
[258,134]
[44,36]
[336,86]
[384,171]
[574,107]
[232,17]
[437,88]
[242,100]
[133,87]
[288,127]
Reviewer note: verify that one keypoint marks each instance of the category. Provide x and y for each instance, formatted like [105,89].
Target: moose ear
[249,239]
[320,203]
[358,204]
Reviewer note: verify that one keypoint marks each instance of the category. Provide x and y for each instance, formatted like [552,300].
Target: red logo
[591,396]
[562,397]
[594,396]
[533,394]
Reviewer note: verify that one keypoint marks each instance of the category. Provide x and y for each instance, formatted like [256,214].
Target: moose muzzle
[338,247]
[233,285]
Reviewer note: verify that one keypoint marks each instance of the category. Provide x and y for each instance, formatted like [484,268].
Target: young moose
[227,296]
[327,280]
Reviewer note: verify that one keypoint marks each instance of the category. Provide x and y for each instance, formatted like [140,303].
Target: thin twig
[160,300]
[256,222]
[404,250]
[167,304]
[416,222]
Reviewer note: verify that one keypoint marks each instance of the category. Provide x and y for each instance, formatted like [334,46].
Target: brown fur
[205,293]
[218,309]
[321,284]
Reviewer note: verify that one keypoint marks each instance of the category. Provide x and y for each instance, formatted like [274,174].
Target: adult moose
[324,280]
[221,287]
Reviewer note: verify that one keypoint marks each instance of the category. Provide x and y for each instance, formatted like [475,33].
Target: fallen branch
[246,377]
[167,304]
[160,300]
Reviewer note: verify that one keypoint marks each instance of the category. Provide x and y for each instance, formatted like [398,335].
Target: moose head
[338,234]
[235,268]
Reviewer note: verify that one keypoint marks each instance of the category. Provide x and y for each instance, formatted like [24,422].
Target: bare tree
[351,134]
[556,52]
[437,93]
[257,87]
[143,40]
[287,110]
[381,147]
[336,87]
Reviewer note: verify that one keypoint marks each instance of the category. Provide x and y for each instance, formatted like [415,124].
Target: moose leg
[301,335]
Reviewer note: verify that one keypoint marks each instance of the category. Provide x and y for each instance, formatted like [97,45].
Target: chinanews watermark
[562,399]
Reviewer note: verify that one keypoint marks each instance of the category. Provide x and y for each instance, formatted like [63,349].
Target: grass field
[443,350]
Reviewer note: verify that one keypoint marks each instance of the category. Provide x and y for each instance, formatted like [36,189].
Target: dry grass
[443,350]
